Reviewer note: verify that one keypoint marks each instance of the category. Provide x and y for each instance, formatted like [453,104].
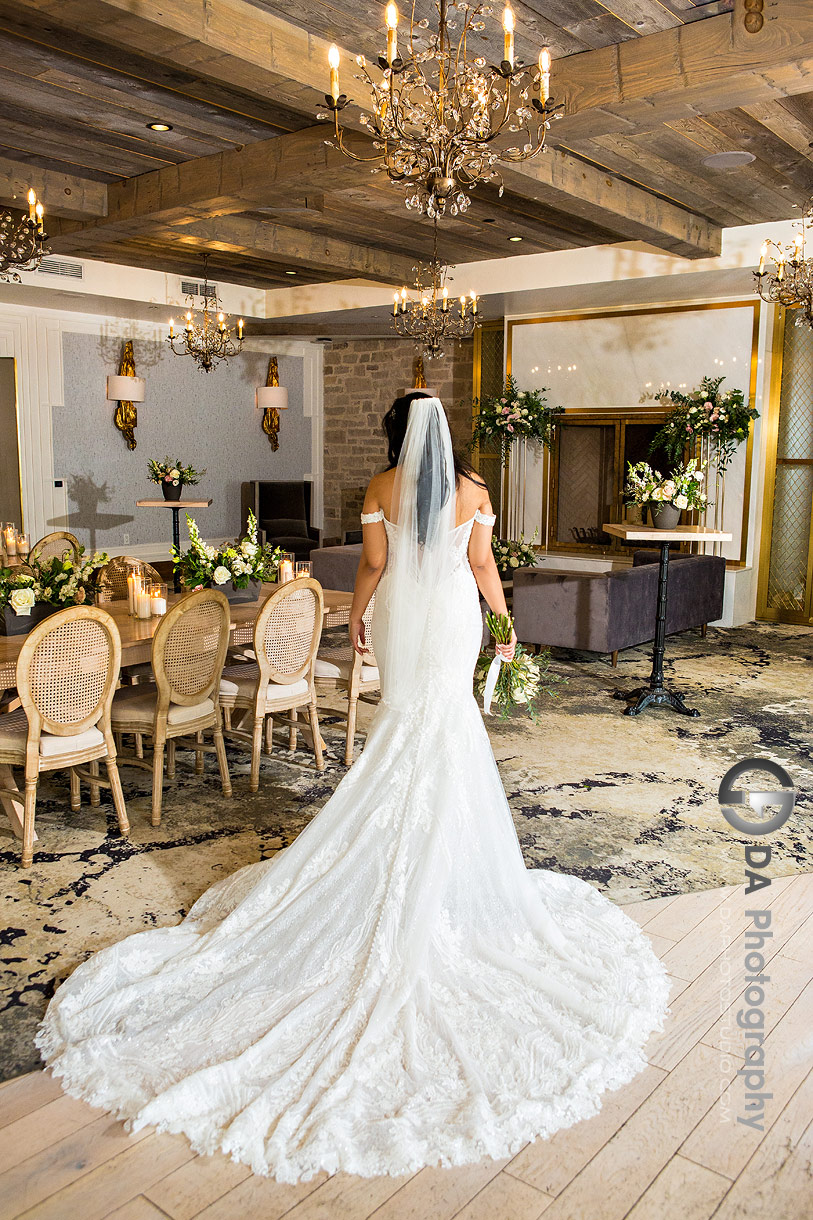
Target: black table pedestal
[176,540]
[656,694]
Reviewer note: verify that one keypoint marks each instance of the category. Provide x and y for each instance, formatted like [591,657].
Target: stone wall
[362,377]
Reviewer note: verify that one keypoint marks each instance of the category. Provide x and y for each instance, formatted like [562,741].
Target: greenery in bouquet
[521,682]
[236,564]
[58,582]
[723,417]
[683,488]
[513,553]
[174,473]
[515,415]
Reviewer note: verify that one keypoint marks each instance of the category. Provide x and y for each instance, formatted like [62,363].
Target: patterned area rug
[627,804]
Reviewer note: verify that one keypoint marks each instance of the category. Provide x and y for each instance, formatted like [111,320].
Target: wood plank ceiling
[651,88]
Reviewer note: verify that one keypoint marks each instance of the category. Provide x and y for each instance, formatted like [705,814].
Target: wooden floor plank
[139,1208]
[347,1197]
[121,1178]
[192,1187]
[45,1126]
[505,1196]
[777,1180]
[260,1197]
[630,1161]
[27,1093]
[788,980]
[549,1165]
[682,1189]
[439,1193]
[719,1141]
[55,1168]
[679,918]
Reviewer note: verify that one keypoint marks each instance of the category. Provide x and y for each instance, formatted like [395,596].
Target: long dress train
[393,990]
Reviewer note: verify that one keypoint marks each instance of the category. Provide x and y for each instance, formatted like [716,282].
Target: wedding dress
[394,989]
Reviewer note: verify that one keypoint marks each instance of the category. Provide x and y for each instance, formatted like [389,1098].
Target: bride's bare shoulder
[379,491]
[472,494]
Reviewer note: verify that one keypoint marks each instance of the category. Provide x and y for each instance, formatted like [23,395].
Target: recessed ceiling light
[160,126]
[515,239]
[290,273]
[729,160]
[489,220]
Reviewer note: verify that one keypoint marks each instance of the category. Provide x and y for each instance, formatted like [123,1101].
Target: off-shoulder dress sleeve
[371,518]
[484,518]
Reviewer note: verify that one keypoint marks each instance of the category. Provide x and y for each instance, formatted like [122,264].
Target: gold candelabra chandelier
[790,282]
[206,336]
[432,319]
[440,120]
[22,240]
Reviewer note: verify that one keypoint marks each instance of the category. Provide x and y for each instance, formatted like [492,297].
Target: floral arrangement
[515,415]
[57,582]
[722,417]
[241,561]
[513,553]
[174,473]
[683,488]
[519,682]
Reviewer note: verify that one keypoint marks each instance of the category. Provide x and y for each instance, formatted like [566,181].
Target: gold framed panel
[586,315]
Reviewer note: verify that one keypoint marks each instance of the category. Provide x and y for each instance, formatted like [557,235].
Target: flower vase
[21,624]
[664,516]
[250,594]
[171,492]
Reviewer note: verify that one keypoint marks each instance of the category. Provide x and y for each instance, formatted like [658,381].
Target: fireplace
[587,472]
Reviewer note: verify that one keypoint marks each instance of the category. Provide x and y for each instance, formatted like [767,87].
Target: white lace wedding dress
[393,990]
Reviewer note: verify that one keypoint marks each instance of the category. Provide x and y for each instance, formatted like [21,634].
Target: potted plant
[172,477]
[26,598]
[237,569]
[666,497]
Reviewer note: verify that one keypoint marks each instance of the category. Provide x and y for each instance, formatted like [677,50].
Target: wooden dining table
[136,634]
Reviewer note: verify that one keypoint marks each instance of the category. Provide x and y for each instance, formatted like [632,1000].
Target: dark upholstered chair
[283,512]
[610,611]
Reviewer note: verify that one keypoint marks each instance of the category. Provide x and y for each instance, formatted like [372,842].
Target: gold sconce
[420,378]
[126,389]
[272,398]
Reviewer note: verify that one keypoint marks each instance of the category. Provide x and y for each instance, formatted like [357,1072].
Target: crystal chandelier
[790,282]
[432,319]
[22,240]
[441,120]
[206,337]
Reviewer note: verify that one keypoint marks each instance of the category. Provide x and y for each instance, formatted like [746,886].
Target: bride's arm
[371,567]
[484,567]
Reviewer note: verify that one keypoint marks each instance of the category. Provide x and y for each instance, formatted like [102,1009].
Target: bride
[394,989]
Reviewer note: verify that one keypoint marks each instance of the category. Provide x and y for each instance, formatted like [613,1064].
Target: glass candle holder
[23,545]
[143,600]
[135,582]
[303,567]
[10,539]
[158,599]
[285,572]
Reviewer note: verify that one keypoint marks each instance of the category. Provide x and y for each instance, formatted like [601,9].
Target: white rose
[221,575]
[514,563]
[249,549]
[657,493]
[210,552]
[174,473]
[668,489]
[21,601]
[681,502]
[698,474]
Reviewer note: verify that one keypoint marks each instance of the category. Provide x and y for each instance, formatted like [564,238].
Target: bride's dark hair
[395,426]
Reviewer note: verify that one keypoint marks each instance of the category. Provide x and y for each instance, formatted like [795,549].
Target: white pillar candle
[286,571]
[10,538]
[159,605]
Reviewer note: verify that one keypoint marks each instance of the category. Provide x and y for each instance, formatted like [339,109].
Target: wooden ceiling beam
[60,194]
[294,248]
[699,68]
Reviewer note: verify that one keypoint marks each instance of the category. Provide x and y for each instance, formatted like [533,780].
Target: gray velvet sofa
[335,566]
[609,611]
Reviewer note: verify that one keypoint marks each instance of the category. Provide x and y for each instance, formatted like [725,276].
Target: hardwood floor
[665,1147]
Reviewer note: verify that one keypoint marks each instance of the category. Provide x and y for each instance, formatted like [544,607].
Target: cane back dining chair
[188,651]
[67,671]
[342,668]
[286,638]
[60,543]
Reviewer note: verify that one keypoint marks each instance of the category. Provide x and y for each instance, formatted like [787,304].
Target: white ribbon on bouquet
[491,681]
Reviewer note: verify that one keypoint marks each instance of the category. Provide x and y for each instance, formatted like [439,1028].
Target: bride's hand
[506,651]
[357,638]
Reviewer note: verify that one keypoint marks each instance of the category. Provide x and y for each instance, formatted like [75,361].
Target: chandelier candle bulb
[392,33]
[762,253]
[240,328]
[40,211]
[32,204]
[333,60]
[544,74]
[172,328]
[445,300]
[508,27]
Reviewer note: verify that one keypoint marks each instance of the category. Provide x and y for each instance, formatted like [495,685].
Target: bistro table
[176,506]
[656,693]
[136,633]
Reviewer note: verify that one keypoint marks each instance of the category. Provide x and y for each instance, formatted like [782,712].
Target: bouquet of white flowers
[683,487]
[513,553]
[517,683]
[235,565]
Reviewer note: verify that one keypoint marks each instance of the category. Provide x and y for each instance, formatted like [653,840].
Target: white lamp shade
[125,389]
[272,396]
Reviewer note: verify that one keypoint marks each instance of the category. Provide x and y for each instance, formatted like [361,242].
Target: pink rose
[506,410]
[510,427]
[708,406]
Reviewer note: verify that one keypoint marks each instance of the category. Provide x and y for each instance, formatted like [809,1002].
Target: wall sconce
[420,380]
[271,398]
[126,389]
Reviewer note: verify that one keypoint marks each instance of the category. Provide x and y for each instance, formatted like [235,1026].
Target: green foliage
[724,418]
[683,487]
[243,560]
[57,582]
[174,473]
[515,415]
[521,682]
[513,553]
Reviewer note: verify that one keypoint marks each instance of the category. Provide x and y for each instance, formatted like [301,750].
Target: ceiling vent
[61,266]
[192,288]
